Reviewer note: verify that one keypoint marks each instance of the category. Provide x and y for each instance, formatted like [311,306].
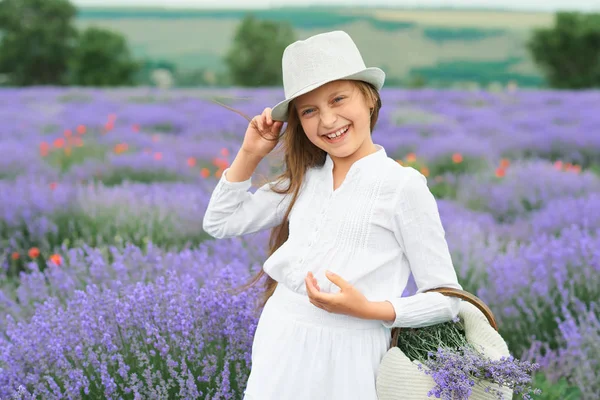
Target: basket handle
[461,294]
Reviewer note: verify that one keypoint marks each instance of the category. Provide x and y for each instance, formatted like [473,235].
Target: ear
[374,101]
[375,104]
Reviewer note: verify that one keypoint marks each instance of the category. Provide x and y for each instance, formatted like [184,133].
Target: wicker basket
[398,378]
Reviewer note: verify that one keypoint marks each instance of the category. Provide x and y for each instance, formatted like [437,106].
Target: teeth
[338,133]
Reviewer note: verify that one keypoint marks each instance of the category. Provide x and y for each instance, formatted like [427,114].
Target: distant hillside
[441,46]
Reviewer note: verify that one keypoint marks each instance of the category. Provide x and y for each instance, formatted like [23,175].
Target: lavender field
[110,288]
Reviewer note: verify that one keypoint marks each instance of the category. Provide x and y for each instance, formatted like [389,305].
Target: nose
[328,118]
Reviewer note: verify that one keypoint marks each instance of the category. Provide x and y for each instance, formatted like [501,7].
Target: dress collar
[366,160]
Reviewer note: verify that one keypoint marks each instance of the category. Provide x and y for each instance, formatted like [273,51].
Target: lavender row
[34,214]
[158,308]
[178,336]
[102,195]
[184,124]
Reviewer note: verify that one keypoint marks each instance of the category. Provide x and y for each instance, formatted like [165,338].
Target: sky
[540,5]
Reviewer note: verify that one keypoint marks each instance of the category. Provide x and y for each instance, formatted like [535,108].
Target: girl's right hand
[262,134]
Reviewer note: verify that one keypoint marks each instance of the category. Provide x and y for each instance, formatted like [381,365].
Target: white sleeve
[234,211]
[419,231]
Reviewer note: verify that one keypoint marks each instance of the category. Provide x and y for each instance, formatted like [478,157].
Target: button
[294,278]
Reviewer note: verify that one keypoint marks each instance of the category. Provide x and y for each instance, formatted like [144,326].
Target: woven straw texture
[400,379]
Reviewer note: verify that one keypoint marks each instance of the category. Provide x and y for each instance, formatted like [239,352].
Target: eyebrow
[337,92]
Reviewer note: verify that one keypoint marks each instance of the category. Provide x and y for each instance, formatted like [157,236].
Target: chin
[342,152]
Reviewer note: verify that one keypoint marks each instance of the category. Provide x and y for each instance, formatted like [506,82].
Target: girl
[350,225]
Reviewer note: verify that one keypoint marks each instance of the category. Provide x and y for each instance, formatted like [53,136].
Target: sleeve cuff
[422,309]
[227,185]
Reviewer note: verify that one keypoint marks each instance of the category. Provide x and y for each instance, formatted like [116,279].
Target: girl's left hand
[348,301]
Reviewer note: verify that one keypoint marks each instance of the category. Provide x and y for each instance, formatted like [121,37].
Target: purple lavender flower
[129,222]
[456,372]
[116,338]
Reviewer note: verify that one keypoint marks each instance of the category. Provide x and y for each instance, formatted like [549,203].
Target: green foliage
[445,190]
[482,72]
[205,66]
[442,34]
[416,81]
[417,343]
[99,225]
[197,77]
[102,58]
[118,176]
[560,390]
[254,58]
[445,164]
[302,18]
[147,66]
[70,98]
[39,45]
[307,18]
[390,25]
[569,52]
[64,159]
[37,40]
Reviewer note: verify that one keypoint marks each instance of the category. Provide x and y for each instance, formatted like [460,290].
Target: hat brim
[372,75]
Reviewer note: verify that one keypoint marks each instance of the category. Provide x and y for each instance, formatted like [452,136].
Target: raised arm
[419,231]
[234,211]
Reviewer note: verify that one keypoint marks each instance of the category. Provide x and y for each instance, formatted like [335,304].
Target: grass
[65,158]
[434,39]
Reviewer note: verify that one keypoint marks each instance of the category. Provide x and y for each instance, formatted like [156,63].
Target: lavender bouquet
[457,365]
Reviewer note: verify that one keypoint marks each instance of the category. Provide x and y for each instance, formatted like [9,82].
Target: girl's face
[336,117]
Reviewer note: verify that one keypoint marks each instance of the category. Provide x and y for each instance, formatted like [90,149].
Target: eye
[305,112]
[338,99]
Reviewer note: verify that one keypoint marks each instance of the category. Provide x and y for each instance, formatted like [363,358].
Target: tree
[102,58]
[569,52]
[36,40]
[254,58]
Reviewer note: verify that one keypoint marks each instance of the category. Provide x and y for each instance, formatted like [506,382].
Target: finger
[268,115]
[309,287]
[315,283]
[316,300]
[313,290]
[321,305]
[277,126]
[254,123]
[336,279]
[259,122]
[325,300]
[316,304]
[312,278]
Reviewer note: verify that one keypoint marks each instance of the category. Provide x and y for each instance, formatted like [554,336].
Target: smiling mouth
[337,135]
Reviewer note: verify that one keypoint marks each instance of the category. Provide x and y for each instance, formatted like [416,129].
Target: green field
[442,46]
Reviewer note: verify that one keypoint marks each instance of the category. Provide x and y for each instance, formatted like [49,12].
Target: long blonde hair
[300,154]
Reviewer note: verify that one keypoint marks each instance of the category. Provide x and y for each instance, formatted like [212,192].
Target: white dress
[380,225]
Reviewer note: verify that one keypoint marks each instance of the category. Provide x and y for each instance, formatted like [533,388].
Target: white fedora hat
[308,64]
